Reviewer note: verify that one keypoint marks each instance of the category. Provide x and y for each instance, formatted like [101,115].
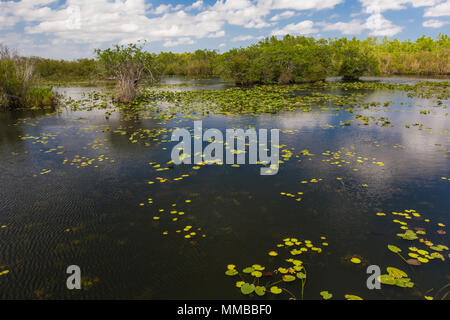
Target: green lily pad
[396,273]
[394,248]
[301,275]
[247,288]
[275,290]
[260,290]
[408,235]
[257,274]
[248,270]
[352,297]
[326,295]
[387,279]
[231,272]
[288,278]
[404,283]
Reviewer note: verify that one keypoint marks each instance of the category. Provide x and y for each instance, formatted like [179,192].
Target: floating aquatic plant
[294,271]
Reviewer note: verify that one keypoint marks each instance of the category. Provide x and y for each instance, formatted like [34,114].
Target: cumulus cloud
[300,4]
[375,23]
[434,23]
[352,27]
[380,26]
[177,42]
[245,38]
[378,6]
[282,16]
[198,5]
[85,23]
[301,28]
[110,19]
[440,10]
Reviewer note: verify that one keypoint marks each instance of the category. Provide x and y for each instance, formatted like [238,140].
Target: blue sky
[73,28]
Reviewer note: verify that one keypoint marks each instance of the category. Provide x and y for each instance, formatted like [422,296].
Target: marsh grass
[17,83]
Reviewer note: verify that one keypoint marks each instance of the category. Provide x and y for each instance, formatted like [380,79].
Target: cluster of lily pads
[418,234]
[277,280]
[396,277]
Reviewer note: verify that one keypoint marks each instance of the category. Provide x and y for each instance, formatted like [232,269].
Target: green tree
[130,65]
[354,58]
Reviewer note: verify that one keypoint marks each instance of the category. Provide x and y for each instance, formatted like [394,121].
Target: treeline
[62,69]
[287,60]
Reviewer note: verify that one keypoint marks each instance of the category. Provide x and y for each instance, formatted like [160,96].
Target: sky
[71,29]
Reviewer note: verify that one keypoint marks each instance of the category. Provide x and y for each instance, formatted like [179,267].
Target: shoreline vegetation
[19,84]
[24,81]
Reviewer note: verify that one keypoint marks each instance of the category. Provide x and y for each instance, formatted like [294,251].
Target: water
[92,216]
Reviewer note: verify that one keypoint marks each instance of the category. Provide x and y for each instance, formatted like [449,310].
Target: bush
[129,65]
[17,81]
[292,59]
[355,58]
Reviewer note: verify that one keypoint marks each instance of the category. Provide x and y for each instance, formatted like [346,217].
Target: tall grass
[17,83]
[415,63]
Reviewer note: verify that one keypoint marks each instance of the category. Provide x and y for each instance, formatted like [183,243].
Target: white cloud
[245,38]
[302,28]
[218,34]
[434,23]
[439,11]
[283,15]
[198,5]
[300,4]
[378,6]
[352,27]
[105,21]
[380,26]
[375,23]
[174,43]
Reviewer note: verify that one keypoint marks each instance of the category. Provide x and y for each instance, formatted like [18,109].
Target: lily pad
[352,297]
[248,270]
[396,273]
[288,278]
[275,290]
[394,248]
[301,275]
[247,288]
[326,295]
[231,272]
[260,290]
[387,279]
[355,260]
[257,274]
[413,262]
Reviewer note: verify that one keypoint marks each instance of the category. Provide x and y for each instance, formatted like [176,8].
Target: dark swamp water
[74,189]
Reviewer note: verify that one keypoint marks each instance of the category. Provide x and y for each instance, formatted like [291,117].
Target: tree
[130,66]
[355,59]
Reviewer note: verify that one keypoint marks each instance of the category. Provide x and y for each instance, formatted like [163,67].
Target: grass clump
[18,83]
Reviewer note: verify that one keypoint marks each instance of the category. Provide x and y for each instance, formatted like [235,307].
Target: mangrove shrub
[129,65]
